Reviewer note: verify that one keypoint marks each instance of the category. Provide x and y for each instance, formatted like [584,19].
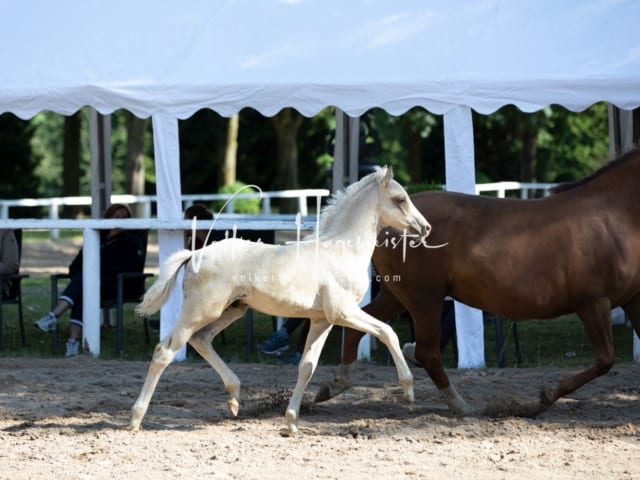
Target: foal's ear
[388,176]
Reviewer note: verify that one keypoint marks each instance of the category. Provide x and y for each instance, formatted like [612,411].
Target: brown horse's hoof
[328,390]
[546,398]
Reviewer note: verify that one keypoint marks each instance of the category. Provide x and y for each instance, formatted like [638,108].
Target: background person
[120,251]
[200,212]
[9,257]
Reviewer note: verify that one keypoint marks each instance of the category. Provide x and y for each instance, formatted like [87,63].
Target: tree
[134,181]
[71,160]
[202,137]
[18,177]
[231,151]
[286,124]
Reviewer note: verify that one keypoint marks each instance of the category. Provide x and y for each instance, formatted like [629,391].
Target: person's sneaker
[293,359]
[409,353]
[73,348]
[48,323]
[277,343]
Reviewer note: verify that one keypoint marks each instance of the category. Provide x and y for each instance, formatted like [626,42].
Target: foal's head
[396,208]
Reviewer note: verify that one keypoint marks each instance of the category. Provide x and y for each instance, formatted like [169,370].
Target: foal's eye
[400,201]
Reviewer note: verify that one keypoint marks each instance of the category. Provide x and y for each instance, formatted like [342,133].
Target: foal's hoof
[407,388]
[291,418]
[234,406]
[134,427]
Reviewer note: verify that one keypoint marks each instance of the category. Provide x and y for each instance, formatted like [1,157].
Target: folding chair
[14,295]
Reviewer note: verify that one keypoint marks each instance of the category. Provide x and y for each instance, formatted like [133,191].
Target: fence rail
[525,188]
[53,204]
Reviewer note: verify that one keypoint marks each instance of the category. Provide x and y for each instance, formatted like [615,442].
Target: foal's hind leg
[163,355]
[201,342]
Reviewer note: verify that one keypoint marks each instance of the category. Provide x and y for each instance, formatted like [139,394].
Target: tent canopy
[150,57]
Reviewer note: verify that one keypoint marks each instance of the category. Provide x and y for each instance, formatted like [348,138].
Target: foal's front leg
[316,338]
[350,315]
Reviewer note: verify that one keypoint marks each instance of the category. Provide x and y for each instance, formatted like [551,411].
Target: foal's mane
[624,158]
[336,202]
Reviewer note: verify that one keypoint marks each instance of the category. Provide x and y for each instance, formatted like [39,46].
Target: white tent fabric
[168,60]
[148,56]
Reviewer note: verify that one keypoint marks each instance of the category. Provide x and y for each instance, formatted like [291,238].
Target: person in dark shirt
[9,258]
[120,251]
[199,212]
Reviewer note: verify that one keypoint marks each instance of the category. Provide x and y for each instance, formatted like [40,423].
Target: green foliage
[573,145]
[560,342]
[243,205]
[18,163]
[566,146]
[47,146]
[422,187]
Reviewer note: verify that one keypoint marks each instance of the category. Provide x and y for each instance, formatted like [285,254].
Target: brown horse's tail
[160,290]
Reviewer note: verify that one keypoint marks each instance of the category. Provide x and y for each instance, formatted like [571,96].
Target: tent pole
[166,145]
[460,177]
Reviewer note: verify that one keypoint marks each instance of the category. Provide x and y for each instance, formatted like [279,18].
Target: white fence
[501,188]
[53,204]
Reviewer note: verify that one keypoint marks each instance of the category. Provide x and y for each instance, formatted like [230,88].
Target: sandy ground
[68,418]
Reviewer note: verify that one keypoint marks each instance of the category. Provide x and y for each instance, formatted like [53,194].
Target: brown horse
[577,250]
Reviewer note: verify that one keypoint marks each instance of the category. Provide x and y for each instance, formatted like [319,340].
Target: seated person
[199,212]
[9,259]
[278,342]
[120,251]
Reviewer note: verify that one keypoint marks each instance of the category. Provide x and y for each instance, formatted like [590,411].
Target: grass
[559,342]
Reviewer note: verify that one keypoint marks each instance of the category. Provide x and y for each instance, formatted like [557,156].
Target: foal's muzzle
[423,229]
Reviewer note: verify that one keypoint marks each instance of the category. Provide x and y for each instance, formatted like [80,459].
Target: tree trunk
[415,156]
[134,182]
[231,151]
[71,161]
[527,126]
[286,124]
[529,150]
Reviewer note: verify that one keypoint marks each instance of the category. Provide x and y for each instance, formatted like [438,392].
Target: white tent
[167,60]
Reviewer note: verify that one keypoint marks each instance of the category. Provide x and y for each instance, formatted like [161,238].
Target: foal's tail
[159,291]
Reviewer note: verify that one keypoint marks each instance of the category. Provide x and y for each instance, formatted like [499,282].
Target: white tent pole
[91,283]
[354,148]
[620,131]
[100,148]
[167,159]
[460,177]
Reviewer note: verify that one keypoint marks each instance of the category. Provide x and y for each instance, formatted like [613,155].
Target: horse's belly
[515,301]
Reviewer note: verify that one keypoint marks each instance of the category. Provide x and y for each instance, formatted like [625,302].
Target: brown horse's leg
[428,314]
[384,307]
[597,324]
[632,309]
